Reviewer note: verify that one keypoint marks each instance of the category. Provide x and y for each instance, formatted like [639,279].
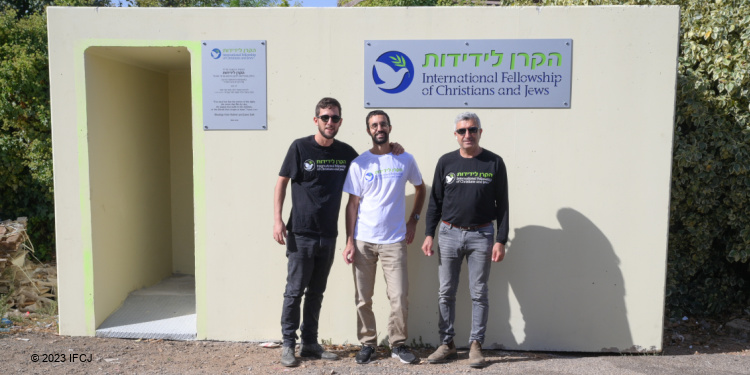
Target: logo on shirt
[450,178]
[384,174]
[309,165]
[329,165]
[469,178]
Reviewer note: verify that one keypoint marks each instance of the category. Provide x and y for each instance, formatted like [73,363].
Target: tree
[209,3]
[25,141]
[412,3]
[23,8]
[709,239]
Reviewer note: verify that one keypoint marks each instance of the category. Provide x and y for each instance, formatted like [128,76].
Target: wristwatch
[416,217]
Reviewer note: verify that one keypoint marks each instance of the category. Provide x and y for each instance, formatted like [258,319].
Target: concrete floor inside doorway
[163,311]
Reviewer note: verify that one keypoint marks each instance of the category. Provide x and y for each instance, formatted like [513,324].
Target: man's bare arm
[279,194]
[352,209]
[411,224]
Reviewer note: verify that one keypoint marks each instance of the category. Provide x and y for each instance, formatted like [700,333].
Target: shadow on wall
[569,289]
[567,284]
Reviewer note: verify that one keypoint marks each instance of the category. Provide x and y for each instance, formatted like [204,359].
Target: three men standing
[469,191]
[376,228]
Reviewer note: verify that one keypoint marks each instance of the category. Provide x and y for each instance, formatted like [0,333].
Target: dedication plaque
[234,84]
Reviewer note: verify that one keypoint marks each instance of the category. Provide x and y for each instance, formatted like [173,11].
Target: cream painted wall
[589,185]
[181,171]
[128,139]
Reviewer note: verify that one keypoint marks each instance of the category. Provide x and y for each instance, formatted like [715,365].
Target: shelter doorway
[139,132]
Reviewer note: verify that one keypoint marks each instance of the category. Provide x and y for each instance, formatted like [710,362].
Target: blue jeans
[309,261]
[453,246]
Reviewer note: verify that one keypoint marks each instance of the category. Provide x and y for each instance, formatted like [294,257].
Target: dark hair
[375,113]
[327,103]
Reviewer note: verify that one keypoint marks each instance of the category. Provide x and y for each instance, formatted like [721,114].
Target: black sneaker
[287,357]
[403,354]
[365,355]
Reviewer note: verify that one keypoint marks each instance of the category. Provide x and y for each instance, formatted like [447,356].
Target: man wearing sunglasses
[376,228]
[469,192]
[317,166]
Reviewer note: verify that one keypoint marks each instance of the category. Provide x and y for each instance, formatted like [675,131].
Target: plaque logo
[215,53]
[393,72]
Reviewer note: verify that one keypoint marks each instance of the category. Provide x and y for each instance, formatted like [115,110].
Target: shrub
[25,142]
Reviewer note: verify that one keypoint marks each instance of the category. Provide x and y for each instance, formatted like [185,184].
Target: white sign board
[234,84]
[493,73]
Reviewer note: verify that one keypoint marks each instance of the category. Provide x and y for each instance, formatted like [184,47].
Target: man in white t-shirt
[376,227]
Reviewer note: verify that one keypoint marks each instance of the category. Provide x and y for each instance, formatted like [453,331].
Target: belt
[468,228]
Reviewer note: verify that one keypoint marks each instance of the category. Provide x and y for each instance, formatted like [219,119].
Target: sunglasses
[472,130]
[334,118]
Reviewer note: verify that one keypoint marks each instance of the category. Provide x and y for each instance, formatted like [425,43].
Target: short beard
[323,133]
[377,142]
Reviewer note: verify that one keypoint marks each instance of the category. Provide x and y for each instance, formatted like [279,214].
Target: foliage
[48,309]
[174,3]
[4,304]
[210,3]
[25,142]
[710,211]
[417,3]
[82,3]
[25,8]
[262,3]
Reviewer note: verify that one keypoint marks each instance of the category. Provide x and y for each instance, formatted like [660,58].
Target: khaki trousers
[393,260]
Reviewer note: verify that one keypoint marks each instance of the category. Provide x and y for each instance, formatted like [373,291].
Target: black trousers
[309,261]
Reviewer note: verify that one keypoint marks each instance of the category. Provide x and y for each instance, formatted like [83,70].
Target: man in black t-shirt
[469,192]
[317,167]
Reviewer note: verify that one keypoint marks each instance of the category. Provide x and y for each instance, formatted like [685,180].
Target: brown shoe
[443,353]
[476,359]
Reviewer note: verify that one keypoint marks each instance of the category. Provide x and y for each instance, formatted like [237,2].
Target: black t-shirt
[317,175]
[469,192]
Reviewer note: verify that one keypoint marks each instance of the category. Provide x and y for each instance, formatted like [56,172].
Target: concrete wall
[181,172]
[589,185]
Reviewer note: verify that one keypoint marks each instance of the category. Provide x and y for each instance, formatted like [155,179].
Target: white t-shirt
[380,183]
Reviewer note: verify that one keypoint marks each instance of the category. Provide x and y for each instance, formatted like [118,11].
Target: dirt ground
[32,346]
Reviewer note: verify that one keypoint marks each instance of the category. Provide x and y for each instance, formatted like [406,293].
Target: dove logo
[215,53]
[369,176]
[450,178]
[309,165]
[393,72]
